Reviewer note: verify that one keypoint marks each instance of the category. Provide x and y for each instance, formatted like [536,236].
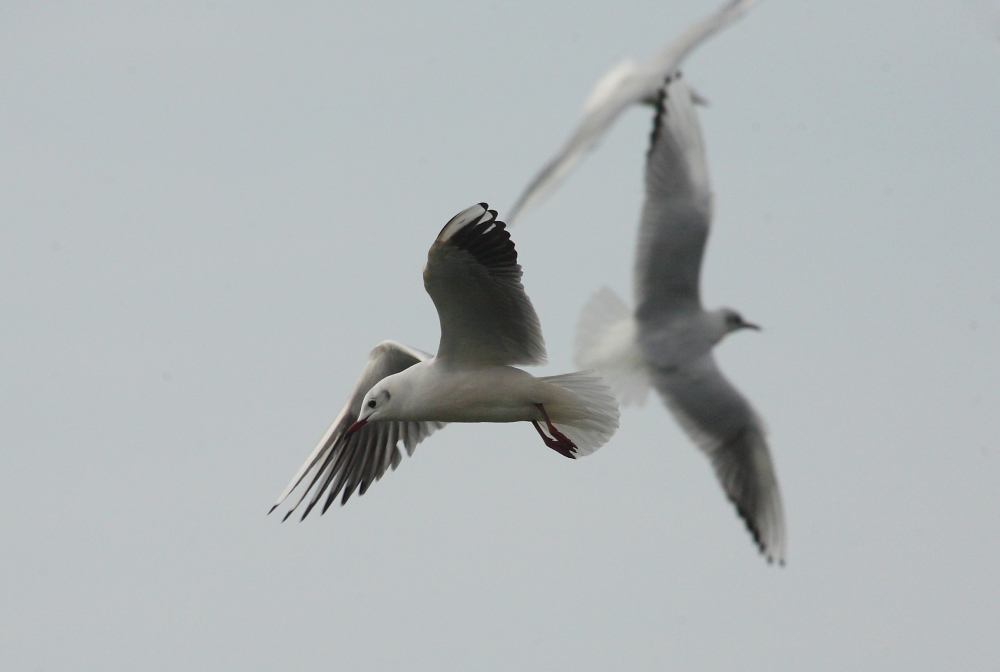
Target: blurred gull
[487,325]
[667,341]
[622,86]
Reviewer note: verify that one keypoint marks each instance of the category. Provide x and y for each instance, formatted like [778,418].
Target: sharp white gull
[624,85]
[667,340]
[488,325]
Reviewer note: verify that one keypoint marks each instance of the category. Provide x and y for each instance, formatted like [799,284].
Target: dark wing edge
[675,161]
[473,277]
[342,463]
[725,427]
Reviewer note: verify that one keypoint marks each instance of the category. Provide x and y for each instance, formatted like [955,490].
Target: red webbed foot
[558,441]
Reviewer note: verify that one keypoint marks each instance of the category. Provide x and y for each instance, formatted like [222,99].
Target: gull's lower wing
[623,86]
[473,277]
[342,463]
[722,423]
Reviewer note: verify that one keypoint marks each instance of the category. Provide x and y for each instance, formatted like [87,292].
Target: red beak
[356,426]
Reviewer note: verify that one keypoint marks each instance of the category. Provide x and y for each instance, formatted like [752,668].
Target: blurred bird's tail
[606,342]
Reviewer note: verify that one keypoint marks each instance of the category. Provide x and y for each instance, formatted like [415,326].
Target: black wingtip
[285,517]
[271,510]
[326,505]
[308,509]
[488,240]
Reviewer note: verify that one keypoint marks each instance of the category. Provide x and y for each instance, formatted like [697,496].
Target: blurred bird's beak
[751,325]
[356,426]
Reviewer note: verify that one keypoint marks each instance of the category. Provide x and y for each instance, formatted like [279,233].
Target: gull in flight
[624,85]
[487,325]
[667,340]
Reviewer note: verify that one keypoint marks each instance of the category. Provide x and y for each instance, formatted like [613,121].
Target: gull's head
[378,404]
[735,321]
[726,321]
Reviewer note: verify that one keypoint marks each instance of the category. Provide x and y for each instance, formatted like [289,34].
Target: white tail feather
[606,343]
[595,417]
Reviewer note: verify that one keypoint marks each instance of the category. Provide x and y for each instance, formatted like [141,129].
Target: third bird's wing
[622,86]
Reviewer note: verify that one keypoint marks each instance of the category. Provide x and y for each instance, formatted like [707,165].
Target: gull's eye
[371,403]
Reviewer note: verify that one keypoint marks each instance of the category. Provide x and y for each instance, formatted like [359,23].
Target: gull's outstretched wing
[474,279]
[717,417]
[622,86]
[342,462]
[677,210]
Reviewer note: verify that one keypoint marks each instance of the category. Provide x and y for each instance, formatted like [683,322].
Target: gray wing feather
[722,423]
[473,277]
[636,86]
[340,463]
[677,211]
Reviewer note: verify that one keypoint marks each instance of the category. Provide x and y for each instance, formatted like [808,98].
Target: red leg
[558,442]
[552,428]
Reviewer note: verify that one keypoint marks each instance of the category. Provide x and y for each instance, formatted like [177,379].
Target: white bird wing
[620,87]
[473,277]
[677,211]
[342,462]
[723,424]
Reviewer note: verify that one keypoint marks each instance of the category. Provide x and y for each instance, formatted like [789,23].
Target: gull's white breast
[476,394]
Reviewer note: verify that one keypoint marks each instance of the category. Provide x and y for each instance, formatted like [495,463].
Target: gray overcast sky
[210,213]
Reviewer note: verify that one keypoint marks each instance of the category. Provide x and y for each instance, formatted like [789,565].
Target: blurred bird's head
[726,320]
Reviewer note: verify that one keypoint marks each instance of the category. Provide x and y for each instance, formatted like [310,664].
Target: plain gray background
[209,214]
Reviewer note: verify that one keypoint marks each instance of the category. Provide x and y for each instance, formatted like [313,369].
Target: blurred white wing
[473,277]
[677,211]
[342,463]
[717,418]
[608,85]
[622,86]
